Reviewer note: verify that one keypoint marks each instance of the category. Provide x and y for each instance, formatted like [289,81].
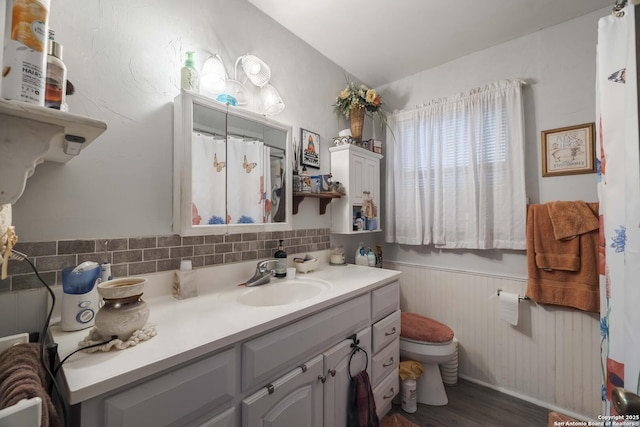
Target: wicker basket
[357,122]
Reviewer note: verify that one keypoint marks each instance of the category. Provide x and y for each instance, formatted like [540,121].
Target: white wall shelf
[32,134]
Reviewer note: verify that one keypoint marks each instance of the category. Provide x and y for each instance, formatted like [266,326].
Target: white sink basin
[281,292]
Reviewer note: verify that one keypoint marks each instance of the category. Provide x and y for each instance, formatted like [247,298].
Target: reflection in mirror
[233,165]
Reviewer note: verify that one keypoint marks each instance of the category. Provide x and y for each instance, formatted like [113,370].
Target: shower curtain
[245,165]
[618,163]
[208,175]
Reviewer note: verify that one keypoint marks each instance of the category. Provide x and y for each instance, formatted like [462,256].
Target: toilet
[431,343]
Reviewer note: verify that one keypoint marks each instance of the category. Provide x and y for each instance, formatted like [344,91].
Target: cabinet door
[175,398]
[293,400]
[357,183]
[371,178]
[226,419]
[336,371]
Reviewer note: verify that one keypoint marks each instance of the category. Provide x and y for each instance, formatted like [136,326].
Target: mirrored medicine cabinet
[231,169]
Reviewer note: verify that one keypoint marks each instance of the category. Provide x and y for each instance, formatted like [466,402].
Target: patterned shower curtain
[618,163]
[243,167]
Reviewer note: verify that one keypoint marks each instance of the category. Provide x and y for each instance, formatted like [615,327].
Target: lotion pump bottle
[281,261]
[189,78]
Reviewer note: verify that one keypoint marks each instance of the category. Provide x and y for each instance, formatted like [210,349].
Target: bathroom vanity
[224,358]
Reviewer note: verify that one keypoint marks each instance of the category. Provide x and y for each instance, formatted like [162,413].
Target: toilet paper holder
[520,297]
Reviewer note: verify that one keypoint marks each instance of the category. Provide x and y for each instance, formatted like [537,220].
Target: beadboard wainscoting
[550,358]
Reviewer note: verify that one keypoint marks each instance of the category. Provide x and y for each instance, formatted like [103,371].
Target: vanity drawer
[386,361]
[386,330]
[274,352]
[176,397]
[385,300]
[384,393]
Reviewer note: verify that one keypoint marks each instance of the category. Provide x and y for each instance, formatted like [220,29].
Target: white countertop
[189,328]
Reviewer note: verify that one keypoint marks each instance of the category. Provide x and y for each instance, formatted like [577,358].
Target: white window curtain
[455,171]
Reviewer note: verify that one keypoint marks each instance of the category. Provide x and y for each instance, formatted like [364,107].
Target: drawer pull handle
[393,331]
[322,378]
[389,363]
[390,395]
[332,372]
[303,367]
[270,388]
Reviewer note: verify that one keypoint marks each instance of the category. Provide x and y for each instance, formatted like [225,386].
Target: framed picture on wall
[569,150]
[310,142]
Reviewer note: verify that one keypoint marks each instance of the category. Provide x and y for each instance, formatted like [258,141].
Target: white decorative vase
[123,311]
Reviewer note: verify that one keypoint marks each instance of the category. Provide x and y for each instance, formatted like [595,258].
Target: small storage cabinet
[359,171]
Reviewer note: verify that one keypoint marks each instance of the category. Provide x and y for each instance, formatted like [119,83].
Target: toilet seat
[420,328]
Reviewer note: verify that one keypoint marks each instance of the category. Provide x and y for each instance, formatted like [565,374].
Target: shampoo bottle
[56,82]
[189,78]
[281,261]
[24,58]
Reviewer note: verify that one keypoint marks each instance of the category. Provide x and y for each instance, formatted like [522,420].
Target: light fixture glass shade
[237,90]
[212,76]
[256,70]
[271,100]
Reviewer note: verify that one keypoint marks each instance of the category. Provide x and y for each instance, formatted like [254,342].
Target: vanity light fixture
[255,68]
[271,100]
[213,76]
[215,83]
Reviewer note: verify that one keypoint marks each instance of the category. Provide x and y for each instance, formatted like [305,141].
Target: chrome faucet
[262,274]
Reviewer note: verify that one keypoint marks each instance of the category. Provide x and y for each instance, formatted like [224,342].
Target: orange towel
[563,272]
[570,219]
[549,252]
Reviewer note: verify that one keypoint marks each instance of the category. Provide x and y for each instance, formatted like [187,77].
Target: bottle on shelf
[189,78]
[305,179]
[358,223]
[281,260]
[56,82]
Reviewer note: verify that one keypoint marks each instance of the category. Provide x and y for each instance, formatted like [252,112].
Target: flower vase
[357,123]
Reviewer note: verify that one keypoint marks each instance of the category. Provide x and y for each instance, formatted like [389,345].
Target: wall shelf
[323,199]
[33,134]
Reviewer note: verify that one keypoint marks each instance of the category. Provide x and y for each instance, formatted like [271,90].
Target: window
[456,171]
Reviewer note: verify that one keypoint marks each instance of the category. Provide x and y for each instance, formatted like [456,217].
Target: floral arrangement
[354,96]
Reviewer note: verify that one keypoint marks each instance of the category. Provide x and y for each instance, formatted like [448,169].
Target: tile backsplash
[130,256]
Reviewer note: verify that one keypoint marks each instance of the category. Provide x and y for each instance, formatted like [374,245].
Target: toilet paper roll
[509,307]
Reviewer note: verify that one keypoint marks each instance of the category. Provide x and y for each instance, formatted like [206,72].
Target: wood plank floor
[472,405]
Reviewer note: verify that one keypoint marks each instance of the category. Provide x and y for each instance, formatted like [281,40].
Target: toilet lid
[420,328]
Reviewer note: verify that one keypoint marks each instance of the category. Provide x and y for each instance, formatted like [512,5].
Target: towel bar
[520,297]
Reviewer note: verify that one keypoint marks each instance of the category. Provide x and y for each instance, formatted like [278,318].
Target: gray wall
[124,60]
[559,66]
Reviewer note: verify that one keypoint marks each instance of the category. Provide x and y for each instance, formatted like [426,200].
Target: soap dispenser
[281,260]
[189,78]
[361,255]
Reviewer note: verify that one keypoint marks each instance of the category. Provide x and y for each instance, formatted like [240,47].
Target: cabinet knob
[332,372]
[322,378]
[392,332]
